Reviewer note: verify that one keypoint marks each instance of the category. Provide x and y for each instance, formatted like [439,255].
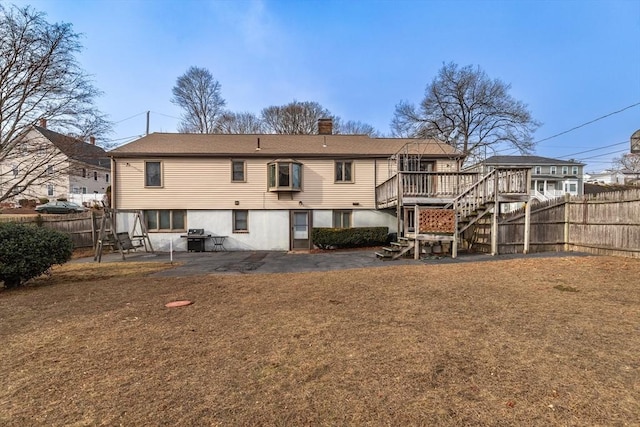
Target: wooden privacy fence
[604,224]
[82,227]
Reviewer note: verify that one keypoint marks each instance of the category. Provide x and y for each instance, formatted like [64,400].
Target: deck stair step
[400,244]
[392,249]
[384,255]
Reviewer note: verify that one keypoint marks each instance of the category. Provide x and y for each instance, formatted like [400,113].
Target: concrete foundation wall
[268,229]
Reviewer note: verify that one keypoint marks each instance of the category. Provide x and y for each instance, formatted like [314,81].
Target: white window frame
[537,170]
[574,170]
[565,170]
[552,170]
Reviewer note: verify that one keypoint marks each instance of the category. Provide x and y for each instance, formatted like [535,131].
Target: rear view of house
[262,192]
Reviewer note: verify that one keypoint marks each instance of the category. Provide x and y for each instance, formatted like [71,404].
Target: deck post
[527,226]
[454,244]
[494,223]
[416,231]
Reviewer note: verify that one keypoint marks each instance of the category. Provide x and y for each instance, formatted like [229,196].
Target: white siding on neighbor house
[205,183]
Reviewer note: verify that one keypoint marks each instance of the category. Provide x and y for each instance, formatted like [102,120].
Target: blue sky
[570,61]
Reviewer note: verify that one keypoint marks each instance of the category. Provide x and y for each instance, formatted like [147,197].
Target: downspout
[112,201]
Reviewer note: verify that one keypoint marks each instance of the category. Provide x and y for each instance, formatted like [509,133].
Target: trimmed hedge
[27,251]
[334,238]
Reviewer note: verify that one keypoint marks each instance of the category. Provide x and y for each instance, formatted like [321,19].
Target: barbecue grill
[195,239]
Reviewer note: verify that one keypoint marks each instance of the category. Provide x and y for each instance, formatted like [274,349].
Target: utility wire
[602,155]
[588,123]
[121,139]
[166,115]
[128,118]
[595,149]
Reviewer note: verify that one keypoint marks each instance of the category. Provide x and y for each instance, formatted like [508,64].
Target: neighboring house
[550,178]
[47,164]
[608,177]
[266,192]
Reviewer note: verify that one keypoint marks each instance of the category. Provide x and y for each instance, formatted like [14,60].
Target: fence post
[93,229]
[567,218]
[527,226]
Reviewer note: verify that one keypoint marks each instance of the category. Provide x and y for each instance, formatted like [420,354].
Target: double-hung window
[344,171]
[153,174]
[574,170]
[237,171]
[165,219]
[537,170]
[565,170]
[50,190]
[240,221]
[552,170]
[341,219]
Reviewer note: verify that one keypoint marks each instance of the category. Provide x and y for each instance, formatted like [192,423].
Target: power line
[121,139]
[602,155]
[128,118]
[588,123]
[594,149]
[166,115]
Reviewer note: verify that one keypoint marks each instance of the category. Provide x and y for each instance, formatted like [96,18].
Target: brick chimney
[92,140]
[325,127]
[43,123]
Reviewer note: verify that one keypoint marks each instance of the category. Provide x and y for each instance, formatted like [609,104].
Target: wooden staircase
[471,205]
[397,249]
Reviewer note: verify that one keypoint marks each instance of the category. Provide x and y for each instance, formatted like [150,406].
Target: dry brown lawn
[531,342]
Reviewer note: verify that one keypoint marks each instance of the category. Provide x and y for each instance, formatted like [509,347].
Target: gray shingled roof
[271,145]
[528,161]
[76,149]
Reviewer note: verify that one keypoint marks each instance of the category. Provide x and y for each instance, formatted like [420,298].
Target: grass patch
[448,345]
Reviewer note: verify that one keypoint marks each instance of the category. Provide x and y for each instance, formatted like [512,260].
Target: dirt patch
[464,344]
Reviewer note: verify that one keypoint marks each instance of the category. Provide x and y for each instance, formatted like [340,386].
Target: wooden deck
[442,188]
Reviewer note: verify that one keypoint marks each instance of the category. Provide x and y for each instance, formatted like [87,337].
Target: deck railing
[451,185]
[443,185]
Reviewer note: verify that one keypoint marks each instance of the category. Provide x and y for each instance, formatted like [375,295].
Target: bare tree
[468,110]
[628,164]
[352,127]
[242,123]
[295,118]
[40,78]
[199,95]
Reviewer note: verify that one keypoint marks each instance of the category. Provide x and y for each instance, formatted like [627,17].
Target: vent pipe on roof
[43,123]
[258,146]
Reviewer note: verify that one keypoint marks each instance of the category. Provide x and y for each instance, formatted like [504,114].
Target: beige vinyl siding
[205,183]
